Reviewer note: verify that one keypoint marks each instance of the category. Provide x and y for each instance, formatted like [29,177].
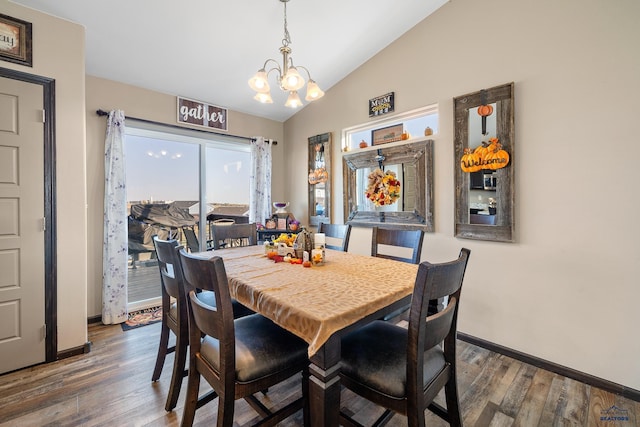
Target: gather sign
[200,113]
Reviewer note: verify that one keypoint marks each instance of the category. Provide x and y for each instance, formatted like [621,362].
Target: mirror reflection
[405,174]
[482,183]
[484,142]
[391,185]
[319,181]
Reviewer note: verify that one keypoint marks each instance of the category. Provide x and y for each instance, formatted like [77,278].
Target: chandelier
[289,79]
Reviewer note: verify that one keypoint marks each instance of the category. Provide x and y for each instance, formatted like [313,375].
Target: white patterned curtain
[114,247]
[260,188]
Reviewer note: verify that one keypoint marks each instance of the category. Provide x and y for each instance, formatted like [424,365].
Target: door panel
[22,282]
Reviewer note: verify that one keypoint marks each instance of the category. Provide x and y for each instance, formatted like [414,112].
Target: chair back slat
[447,279]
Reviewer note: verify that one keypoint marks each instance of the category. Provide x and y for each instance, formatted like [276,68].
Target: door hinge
[44,224]
[44,116]
[44,331]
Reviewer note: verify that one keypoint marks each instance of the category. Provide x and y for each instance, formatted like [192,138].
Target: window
[414,122]
[172,170]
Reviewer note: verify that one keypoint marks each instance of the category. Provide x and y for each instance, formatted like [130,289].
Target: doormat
[141,318]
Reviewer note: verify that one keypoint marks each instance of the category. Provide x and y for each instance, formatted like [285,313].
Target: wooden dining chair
[406,241]
[403,369]
[174,319]
[399,245]
[341,232]
[174,316]
[233,235]
[238,358]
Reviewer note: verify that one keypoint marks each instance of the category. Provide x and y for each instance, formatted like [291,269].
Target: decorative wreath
[383,188]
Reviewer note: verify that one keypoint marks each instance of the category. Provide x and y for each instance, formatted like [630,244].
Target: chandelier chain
[286,41]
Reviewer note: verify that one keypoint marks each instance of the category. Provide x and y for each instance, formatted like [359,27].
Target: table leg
[324,385]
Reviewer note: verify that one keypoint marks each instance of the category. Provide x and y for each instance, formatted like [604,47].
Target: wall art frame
[16,41]
[387,134]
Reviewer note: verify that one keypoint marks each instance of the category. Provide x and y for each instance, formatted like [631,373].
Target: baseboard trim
[83,349]
[94,319]
[601,383]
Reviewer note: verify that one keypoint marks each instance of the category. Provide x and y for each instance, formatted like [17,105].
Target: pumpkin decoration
[497,158]
[485,110]
[481,150]
[493,144]
[470,161]
[321,175]
[488,155]
[313,177]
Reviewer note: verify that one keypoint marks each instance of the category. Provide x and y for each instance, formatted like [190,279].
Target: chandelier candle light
[289,78]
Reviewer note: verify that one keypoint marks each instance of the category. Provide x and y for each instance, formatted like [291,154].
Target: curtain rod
[106,113]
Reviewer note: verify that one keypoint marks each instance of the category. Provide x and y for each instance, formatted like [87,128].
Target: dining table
[319,304]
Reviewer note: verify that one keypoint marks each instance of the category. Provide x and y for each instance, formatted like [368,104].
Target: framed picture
[386,135]
[270,223]
[382,104]
[15,41]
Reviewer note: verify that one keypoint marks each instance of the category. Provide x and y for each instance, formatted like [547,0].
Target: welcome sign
[200,113]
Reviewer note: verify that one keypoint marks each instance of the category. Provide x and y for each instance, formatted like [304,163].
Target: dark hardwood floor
[111,386]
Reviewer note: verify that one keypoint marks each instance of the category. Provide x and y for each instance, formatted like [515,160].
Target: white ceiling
[208,49]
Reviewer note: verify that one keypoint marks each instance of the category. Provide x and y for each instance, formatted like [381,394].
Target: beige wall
[144,104]
[567,291]
[62,58]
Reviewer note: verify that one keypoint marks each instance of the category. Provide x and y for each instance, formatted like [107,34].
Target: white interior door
[22,278]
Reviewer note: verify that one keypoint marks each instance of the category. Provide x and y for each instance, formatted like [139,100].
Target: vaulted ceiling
[208,49]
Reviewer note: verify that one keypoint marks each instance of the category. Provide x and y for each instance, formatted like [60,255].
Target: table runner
[313,303]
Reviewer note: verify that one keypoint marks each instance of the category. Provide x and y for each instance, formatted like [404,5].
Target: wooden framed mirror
[484,198]
[319,179]
[412,165]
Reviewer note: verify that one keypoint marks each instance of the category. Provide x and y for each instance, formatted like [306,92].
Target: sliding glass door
[177,180]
